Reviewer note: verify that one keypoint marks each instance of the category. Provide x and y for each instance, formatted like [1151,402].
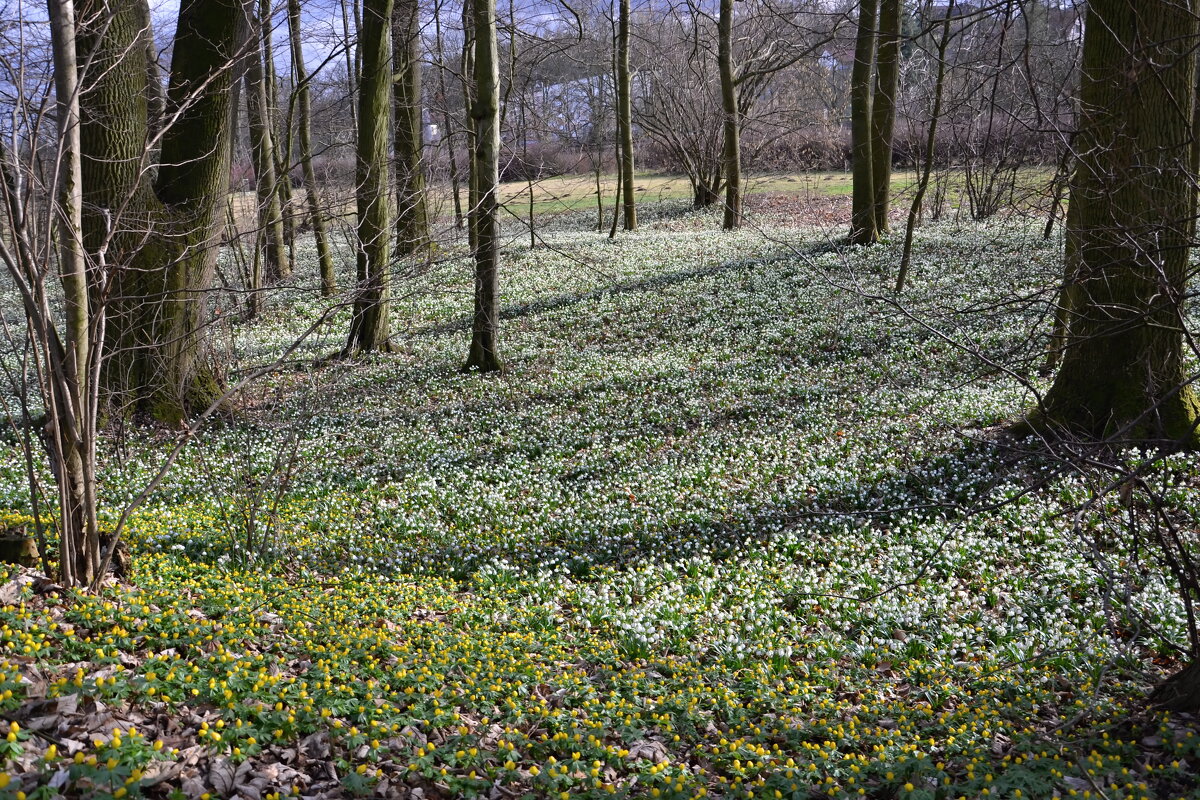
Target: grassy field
[577,193]
[566,193]
[729,525]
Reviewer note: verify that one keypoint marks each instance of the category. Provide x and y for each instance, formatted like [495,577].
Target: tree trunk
[1128,226]
[350,34]
[156,240]
[612,230]
[883,110]
[625,117]
[597,170]
[862,219]
[446,121]
[529,172]
[262,148]
[704,193]
[1181,692]
[618,190]
[914,211]
[281,136]
[412,221]
[732,150]
[485,114]
[369,326]
[191,185]
[73,432]
[304,124]
[156,95]
[113,133]
[467,78]
[1062,307]
[117,199]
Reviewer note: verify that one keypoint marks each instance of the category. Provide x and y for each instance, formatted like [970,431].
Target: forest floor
[732,523]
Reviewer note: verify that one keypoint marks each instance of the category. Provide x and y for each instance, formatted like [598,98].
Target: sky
[322,23]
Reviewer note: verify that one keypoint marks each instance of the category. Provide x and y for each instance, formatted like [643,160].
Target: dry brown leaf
[221,777]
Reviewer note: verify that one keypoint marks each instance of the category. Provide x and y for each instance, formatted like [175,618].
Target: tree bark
[73,433]
[467,78]
[883,110]
[156,240]
[914,211]
[625,117]
[262,147]
[862,218]
[304,126]
[446,120]
[704,193]
[1181,692]
[156,95]
[281,134]
[350,35]
[412,220]
[484,355]
[1128,228]
[191,185]
[732,149]
[369,326]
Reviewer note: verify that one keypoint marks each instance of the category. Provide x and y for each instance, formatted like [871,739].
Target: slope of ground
[731,524]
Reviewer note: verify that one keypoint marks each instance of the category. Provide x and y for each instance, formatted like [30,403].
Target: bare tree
[754,53]
[412,223]
[484,355]
[883,110]
[625,118]
[447,121]
[67,359]
[260,91]
[914,210]
[677,108]
[370,325]
[731,129]
[312,194]
[863,229]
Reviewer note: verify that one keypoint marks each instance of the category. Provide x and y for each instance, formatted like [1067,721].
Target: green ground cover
[731,525]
